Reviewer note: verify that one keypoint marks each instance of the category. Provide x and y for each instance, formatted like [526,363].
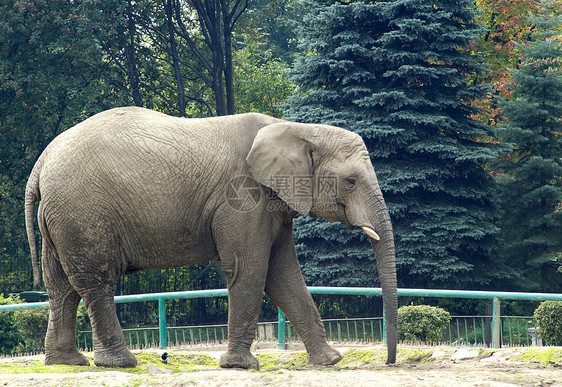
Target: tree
[172,55]
[276,21]
[262,81]
[61,62]
[51,76]
[507,23]
[147,58]
[115,25]
[531,182]
[397,73]
[211,43]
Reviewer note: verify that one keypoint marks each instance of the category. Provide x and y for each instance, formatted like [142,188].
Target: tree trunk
[228,70]
[129,47]
[168,7]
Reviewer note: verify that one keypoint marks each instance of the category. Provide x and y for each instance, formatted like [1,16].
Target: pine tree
[398,73]
[531,183]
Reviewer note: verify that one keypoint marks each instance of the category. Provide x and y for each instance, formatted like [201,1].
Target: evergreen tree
[531,183]
[397,73]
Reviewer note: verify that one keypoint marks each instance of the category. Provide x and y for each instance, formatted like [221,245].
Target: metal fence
[462,330]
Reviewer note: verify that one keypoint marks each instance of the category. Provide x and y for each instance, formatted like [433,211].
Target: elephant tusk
[371,233]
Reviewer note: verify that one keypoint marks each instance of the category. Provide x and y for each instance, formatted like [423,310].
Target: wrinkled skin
[131,189]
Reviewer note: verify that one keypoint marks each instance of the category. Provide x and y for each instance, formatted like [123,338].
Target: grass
[177,362]
[356,358]
[548,356]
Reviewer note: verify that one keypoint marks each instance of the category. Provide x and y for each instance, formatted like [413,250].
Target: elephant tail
[32,196]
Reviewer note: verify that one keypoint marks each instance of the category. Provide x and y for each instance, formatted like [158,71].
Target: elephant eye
[351,181]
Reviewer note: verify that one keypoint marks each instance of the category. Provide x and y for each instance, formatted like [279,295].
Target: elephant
[130,189]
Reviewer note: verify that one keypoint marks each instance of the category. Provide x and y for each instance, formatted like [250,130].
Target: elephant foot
[67,358]
[244,360]
[325,356]
[115,358]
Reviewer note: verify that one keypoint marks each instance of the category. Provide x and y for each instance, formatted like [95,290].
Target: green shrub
[9,336]
[82,319]
[31,325]
[422,323]
[24,330]
[549,321]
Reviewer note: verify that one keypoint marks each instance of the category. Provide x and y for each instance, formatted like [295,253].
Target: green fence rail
[461,331]
[512,330]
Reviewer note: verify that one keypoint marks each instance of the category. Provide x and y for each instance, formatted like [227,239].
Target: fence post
[162,322]
[281,329]
[496,323]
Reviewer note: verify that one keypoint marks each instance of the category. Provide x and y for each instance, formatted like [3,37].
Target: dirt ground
[437,366]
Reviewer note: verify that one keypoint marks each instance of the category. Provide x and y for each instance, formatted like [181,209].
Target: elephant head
[326,171]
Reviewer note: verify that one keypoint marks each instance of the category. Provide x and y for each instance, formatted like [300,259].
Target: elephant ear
[282,159]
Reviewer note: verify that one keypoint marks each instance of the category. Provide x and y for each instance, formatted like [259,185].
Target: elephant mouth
[371,233]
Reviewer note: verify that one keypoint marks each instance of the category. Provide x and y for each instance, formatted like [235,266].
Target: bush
[549,321]
[9,336]
[31,325]
[422,323]
[24,330]
[82,319]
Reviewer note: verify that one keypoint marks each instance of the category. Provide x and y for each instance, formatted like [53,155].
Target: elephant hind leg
[110,347]
[97,290]
[60,341]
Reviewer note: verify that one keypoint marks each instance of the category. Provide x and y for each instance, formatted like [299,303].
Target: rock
[463,354]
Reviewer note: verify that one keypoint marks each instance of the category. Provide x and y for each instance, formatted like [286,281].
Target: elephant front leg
[286,287]
[246,281]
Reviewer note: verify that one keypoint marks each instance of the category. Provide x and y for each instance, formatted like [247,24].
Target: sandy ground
[460,369]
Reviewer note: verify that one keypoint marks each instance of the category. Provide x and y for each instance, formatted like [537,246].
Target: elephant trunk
[386,266]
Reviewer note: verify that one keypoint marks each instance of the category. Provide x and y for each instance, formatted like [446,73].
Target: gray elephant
[131,189]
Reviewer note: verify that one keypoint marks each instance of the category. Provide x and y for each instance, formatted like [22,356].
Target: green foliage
[82,319]
[9,336]
[530,177]
[398,73]
[276,21]
[403,74]
[330,254]
[549,321]
[544,356]
[262,82]
[50,78]
[179,312]
[61,62]
[422,323]
[23,331]
[31,324]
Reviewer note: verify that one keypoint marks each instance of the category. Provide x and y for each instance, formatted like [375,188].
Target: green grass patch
[177,362]
[279,361]
[360,358]
[544,356]
[414,356]
[353,358]
[484,353]
[275,360]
